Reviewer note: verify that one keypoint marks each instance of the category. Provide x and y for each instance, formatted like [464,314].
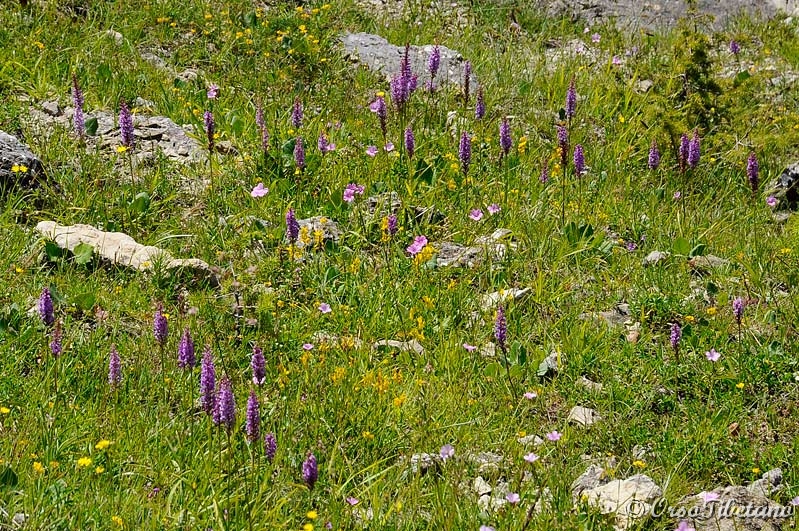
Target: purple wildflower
[261,123]
[225,414]
[476,214]
[114,367]
[505,141]
[465,152]
[771,201]
[501,329]
[544,172]
[55,343]
[292,226]
[392,225]
[433,62]
[270,446]
[213,91]
[351,190]
[77,102]
[324,144]
[654,156]
[447,452]
[735,48]
[571,100]
[467,76]
[45,307]
[418,244]
[579,160]
[753,172]
[210,129]
[310,470]
[410,141]
[682,157]
[712,355]
[563,145]
[258,365]
[186,358]
[126,125]
[675,336]
[299,153]
[693,151]
[738,309]
[371,151]
[296,114]
[208,381]
[480,106]
[252,426]
[160,325]
[379,108]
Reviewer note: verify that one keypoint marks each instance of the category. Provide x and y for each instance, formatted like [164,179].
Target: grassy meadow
[148,448]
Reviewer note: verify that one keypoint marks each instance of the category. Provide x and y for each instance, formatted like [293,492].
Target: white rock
[588,384]
[491,300]
[583,416]
[402,346]
[629,499]
[122,250]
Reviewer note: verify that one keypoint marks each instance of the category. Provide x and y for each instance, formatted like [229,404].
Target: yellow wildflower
[83,462]
[312,515]
[639,464]
[117,520]
[4,410]
[122,149]
[99,470]
[740,385]
[38,467]
[103,444]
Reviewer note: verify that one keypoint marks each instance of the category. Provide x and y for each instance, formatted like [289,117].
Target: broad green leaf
[83,253]
[682,246]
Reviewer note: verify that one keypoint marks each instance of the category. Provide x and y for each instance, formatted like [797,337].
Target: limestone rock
[493,247]
[15,153]
[491,300]
[583,416]
[120,249]
[655,257]
[589,384]
[766,515]
[786,188]
[618,316]
[328,228]
[151,133]
[379,55]
[402,346]
[706,263]
[628,499]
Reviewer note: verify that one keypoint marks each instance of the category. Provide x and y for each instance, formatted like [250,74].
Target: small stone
[655,257]
[141,103]
[491,300]
[115,36]
[642,452]
[530,440]
[329,229]
[588,384]
[644,85]
[583,416]
[781,217]
[707,263]
[402,346]
[590,479]
[481,486]
[51,108]
[633,332]
[489,350]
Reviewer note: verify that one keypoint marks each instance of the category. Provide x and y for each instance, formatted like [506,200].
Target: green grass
[360,411]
